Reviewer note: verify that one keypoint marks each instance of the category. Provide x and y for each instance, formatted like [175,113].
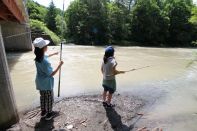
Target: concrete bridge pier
[17,36]
[8,110]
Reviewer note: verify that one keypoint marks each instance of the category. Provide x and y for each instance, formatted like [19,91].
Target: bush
[40,26]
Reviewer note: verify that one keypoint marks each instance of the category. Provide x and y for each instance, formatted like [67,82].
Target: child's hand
[61,62]
[116,63]
[56,53]
[122,72]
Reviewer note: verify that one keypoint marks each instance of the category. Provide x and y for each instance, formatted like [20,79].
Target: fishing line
[134,69]
[17,35]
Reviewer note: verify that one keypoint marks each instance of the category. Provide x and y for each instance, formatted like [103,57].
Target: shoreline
[86,113]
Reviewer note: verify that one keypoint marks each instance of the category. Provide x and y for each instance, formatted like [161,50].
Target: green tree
[87,22]
[50,17]
[193,18]
[97,21]
[148,25]
[40,26]
[118,18]
[76,21]
[36,11]
[61,26]
[193,21]
[180,30]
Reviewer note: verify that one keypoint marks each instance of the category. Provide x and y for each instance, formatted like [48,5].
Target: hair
[107,55]
[39,54]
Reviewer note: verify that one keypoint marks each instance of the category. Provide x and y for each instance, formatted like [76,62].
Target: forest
[151,23]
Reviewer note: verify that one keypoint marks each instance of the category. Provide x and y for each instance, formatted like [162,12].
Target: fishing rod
[60,71]
[134,69]
[59,82]
[137,68]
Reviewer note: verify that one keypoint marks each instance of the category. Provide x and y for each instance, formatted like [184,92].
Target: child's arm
[52,54]
[102,68]
[56,70]
[116,72]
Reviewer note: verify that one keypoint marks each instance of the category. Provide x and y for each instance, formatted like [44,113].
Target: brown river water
[169,80]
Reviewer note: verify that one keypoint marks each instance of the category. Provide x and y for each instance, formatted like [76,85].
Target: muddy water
[168,80]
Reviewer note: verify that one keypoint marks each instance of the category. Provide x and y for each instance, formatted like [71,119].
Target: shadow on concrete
[116,121]
[44,125]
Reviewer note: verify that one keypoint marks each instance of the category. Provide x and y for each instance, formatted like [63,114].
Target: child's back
[108,73]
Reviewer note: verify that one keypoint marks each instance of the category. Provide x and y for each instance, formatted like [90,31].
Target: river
[169,79]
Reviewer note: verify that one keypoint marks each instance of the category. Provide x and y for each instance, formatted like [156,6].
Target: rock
[84,124]
[69,127]
[157,129]
[140,114]
[142,129]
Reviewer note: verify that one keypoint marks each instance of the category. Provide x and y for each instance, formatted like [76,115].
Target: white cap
[40,42]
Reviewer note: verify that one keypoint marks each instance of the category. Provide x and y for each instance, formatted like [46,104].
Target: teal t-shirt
[44,80]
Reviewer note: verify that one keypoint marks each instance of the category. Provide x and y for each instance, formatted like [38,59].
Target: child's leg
[109,98]
[43,101]
[49,103]
[104,95]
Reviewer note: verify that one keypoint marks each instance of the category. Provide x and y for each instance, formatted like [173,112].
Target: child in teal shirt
[44,77]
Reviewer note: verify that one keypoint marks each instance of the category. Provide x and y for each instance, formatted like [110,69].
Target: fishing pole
[59,82]
[60,71]
[134,69]
[137,68]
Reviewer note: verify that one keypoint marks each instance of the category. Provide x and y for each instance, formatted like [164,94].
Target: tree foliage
[36,11]
[148,25]
[124,22]
[180,29]
[87,21]
[193,19]
[50,17]
[61,26]
[40,26]
[118,18]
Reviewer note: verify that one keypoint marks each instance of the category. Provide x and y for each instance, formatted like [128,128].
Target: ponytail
[39,54]
[105,59]
[107,55]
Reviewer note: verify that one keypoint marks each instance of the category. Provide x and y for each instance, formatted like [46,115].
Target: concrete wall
[8,110]
[17,37]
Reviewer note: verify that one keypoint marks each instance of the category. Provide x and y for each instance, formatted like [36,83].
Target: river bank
[86,113]
[167,88]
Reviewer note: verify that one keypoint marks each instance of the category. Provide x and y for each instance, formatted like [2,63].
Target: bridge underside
[9,11]
[15,30]
[14,35]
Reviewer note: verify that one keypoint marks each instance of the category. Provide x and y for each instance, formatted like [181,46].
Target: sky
[59,3]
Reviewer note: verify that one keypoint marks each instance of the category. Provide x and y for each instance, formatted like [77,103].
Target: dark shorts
[109,85]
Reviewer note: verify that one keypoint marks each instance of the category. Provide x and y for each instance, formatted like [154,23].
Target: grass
[38,25]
